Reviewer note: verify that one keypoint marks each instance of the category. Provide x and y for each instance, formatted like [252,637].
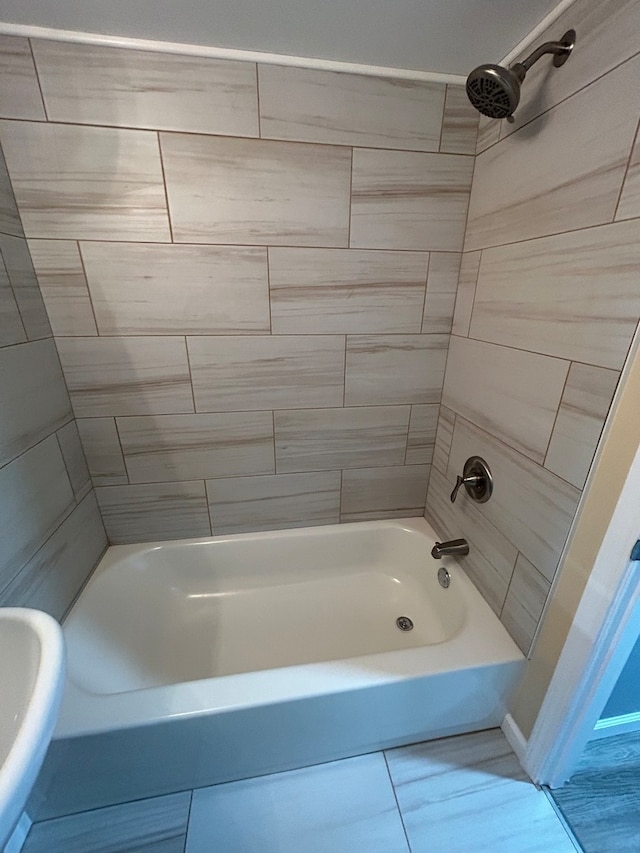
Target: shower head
[495,91]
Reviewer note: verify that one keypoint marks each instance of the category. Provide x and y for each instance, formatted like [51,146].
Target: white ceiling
[447,36]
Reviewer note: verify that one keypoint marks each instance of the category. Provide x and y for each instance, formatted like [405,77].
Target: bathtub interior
[177,612]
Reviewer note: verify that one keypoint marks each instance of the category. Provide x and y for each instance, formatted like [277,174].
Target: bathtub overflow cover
[404,623]
[444,578]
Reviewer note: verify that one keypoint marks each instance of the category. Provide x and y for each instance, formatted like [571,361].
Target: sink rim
[22,764]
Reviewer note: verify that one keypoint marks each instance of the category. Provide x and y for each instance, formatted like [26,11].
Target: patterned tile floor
[464,794]
[601,802]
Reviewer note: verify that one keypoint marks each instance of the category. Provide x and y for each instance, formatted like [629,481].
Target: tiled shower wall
[250,273]
[548,301]
[51,535]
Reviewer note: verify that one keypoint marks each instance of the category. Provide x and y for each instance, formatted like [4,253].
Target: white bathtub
[202,661]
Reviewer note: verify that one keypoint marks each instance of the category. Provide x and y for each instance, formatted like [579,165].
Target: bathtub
[202,661]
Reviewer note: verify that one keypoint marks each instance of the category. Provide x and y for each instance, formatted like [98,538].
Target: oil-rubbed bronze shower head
[495,91]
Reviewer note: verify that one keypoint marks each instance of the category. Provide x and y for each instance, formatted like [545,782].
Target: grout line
[273,433]
[186,830]
[262,474]
[193,393]
[350,200]
[636,139]
[406,440]
[237,246]
[164,186]
[444,112]
[37,73]
[258,102]
[209,504]
[13,294]
[124,458]
[269,289]
[426,288]
[89,295]
[344,375]
[199,133]
[555,419]
[395,796]
[475,291]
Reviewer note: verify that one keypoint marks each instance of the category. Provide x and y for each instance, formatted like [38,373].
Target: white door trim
[604,631]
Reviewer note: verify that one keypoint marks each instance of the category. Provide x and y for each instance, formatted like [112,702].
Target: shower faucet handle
[463,481]
[477,480]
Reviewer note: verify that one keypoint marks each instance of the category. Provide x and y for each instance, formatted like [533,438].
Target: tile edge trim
[212,52]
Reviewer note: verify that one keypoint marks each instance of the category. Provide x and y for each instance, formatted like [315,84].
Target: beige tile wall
[50,526]
[548,300]
[250,273]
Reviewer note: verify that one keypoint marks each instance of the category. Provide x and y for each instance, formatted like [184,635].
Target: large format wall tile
[629,206]
[346,290]
[103,451]
[370,493]
[19,94]
[19,268]
[512,394]
[406,200]
[166,448]
[156,511]
[88,183]
[442,284]
[126,376]
[326,439]
[524,603]
[607,35]
[154,290]
[279,372]
[574,295]
[491,556]
[459,123]
[64,289]
[391,369]
[54,575]
[422,434]
[585,403]
[36,495]
[575,159]
[349,109]
[34,399]
[105,85]
[531,506]
[244,504]
[256,191]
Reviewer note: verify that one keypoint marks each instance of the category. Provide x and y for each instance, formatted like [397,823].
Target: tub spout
[456,548]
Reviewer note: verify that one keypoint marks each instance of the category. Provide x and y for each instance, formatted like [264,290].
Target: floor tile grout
[395,797]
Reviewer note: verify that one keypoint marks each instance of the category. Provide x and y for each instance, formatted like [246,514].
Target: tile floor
[601,801]
[464,794]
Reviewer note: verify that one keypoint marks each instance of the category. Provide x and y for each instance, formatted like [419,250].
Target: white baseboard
[517,741]
[610,726]
[19,835]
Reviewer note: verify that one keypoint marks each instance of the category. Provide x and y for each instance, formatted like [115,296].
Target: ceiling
[447,36]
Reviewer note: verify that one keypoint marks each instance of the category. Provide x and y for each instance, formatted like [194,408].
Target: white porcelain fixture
[207,660]
[31,682]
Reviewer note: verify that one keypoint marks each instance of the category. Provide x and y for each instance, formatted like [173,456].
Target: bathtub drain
[404,623]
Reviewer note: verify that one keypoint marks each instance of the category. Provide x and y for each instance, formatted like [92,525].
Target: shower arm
[558,48]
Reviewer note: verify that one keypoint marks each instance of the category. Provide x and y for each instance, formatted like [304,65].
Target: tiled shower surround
[548,301]
[250,273]
[51,534]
